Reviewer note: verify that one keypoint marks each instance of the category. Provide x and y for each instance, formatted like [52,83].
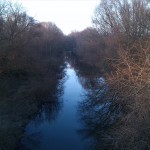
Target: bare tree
[14,21]
[129,17]
[126,26]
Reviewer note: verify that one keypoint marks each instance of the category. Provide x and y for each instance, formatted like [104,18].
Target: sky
[68,15]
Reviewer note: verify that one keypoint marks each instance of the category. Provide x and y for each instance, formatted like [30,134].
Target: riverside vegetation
[31,63]
[118,46]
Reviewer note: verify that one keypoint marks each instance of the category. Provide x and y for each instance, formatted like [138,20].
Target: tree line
[119,45]
[31,64]
[32,53]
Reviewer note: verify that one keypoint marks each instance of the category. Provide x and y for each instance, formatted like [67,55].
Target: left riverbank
[31,64]
[20,97]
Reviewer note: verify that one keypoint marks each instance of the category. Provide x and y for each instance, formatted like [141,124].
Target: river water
[56,126]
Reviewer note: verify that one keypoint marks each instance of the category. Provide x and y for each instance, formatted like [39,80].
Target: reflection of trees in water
[31,142]
[90,108]
[49,110]
[82,68]
[96,111]
[108,119]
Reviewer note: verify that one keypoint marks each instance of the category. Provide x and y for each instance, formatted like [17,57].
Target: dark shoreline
[21,96]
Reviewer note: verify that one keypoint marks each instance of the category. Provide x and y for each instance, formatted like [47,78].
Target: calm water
[57,125]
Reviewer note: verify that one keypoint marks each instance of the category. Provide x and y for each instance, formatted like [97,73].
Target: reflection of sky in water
[60,133]
[101,80]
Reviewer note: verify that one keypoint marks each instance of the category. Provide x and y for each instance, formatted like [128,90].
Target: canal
[57,126]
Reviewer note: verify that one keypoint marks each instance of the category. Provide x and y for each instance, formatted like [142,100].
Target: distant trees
[70,42]
[22,39]
[48,42]
[88,45]
[48,35]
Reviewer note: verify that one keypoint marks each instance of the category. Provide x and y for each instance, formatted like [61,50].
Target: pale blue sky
[68,15]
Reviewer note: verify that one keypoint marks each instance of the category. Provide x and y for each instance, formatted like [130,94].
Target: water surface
[57,125]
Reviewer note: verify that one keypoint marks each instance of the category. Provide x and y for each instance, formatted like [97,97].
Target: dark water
[57,125]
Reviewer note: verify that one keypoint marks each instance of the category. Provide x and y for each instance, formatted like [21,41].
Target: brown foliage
[30,58]
[130,83]
[89,47]
[125,25]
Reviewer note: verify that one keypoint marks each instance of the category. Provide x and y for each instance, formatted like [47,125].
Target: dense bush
[88,46]
[117,114]
[127,22]
[31,56]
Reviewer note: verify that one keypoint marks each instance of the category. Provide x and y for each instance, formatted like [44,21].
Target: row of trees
[120,44]
[128,17]
[31,56]
[88,47]
[19,33]
[126,26]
